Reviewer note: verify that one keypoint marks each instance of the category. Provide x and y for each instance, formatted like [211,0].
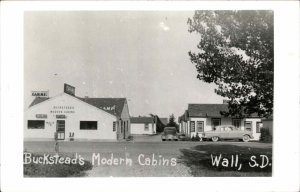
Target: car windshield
[170,130]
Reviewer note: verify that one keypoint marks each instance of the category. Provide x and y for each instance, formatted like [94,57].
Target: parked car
[227,132]
[169,134]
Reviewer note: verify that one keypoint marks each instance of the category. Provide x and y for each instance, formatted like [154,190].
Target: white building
[146,125]
[72,117]
[143,125]
[199,118]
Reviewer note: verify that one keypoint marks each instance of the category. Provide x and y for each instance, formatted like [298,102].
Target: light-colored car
[227,132]
[169,134]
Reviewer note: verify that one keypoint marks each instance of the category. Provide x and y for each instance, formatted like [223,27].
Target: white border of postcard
[286,111]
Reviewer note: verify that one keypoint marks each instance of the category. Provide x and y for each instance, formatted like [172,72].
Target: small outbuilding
[146,125]
[143,125]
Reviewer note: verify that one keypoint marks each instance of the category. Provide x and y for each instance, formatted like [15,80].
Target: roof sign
[40,93]
[69,89]
[41,116]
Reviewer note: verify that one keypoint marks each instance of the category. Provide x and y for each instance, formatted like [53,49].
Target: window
[192,126]
[36,124]
[114,126]
[215,122]
[200,126]
[236,123]
[88,125]
[258,126]
[146,126]
[248,125]
[228,129]
[222,128]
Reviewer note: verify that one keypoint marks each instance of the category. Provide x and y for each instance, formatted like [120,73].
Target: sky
[140,55]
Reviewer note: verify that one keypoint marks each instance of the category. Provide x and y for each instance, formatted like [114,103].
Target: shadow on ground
[200,160]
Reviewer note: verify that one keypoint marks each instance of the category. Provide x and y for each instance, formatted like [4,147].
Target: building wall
[139,128]
[185,126]
[124,128]
[81,112]
[255,134]
[191,134]
[268,124]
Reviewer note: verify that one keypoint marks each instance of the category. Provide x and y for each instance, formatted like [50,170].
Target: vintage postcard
[150,93]
[102,93]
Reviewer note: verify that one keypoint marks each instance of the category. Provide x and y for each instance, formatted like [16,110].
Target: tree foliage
[236,53]
[172,122]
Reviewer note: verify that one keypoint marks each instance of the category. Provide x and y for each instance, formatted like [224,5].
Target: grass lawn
[199,160]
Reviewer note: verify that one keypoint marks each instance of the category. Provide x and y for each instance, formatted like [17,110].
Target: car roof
[170,127]
[225,126]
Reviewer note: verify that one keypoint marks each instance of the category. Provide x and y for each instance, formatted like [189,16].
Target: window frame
[114,126]
[43,127]
[214,126]
[80,126]
[240,122]
[197,126]
[192,127]
[251,128]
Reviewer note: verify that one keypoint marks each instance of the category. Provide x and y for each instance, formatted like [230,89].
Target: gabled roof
[141,120]
[209,110]
[113,106]
[38,100]
[206,110]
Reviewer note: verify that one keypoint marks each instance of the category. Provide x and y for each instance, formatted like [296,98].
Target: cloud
[164,26]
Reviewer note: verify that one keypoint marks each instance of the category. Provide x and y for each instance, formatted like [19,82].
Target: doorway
[60,129]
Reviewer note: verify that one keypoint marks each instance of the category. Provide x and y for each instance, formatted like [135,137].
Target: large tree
[236,53]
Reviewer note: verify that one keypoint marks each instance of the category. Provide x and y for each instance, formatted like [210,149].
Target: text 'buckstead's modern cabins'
[75,118]
[199,118]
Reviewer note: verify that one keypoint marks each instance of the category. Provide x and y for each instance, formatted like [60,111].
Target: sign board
[40,93]
[41,116]
[69,89]
[60,116]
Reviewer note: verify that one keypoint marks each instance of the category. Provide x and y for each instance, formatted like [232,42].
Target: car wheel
[215,139]
[246,138]
[163,139]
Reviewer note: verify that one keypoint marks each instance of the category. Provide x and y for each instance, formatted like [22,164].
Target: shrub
[193,138]
[129,138]
[186,139]
[265,135]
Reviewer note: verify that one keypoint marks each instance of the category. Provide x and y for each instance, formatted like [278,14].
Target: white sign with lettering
[40,93]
